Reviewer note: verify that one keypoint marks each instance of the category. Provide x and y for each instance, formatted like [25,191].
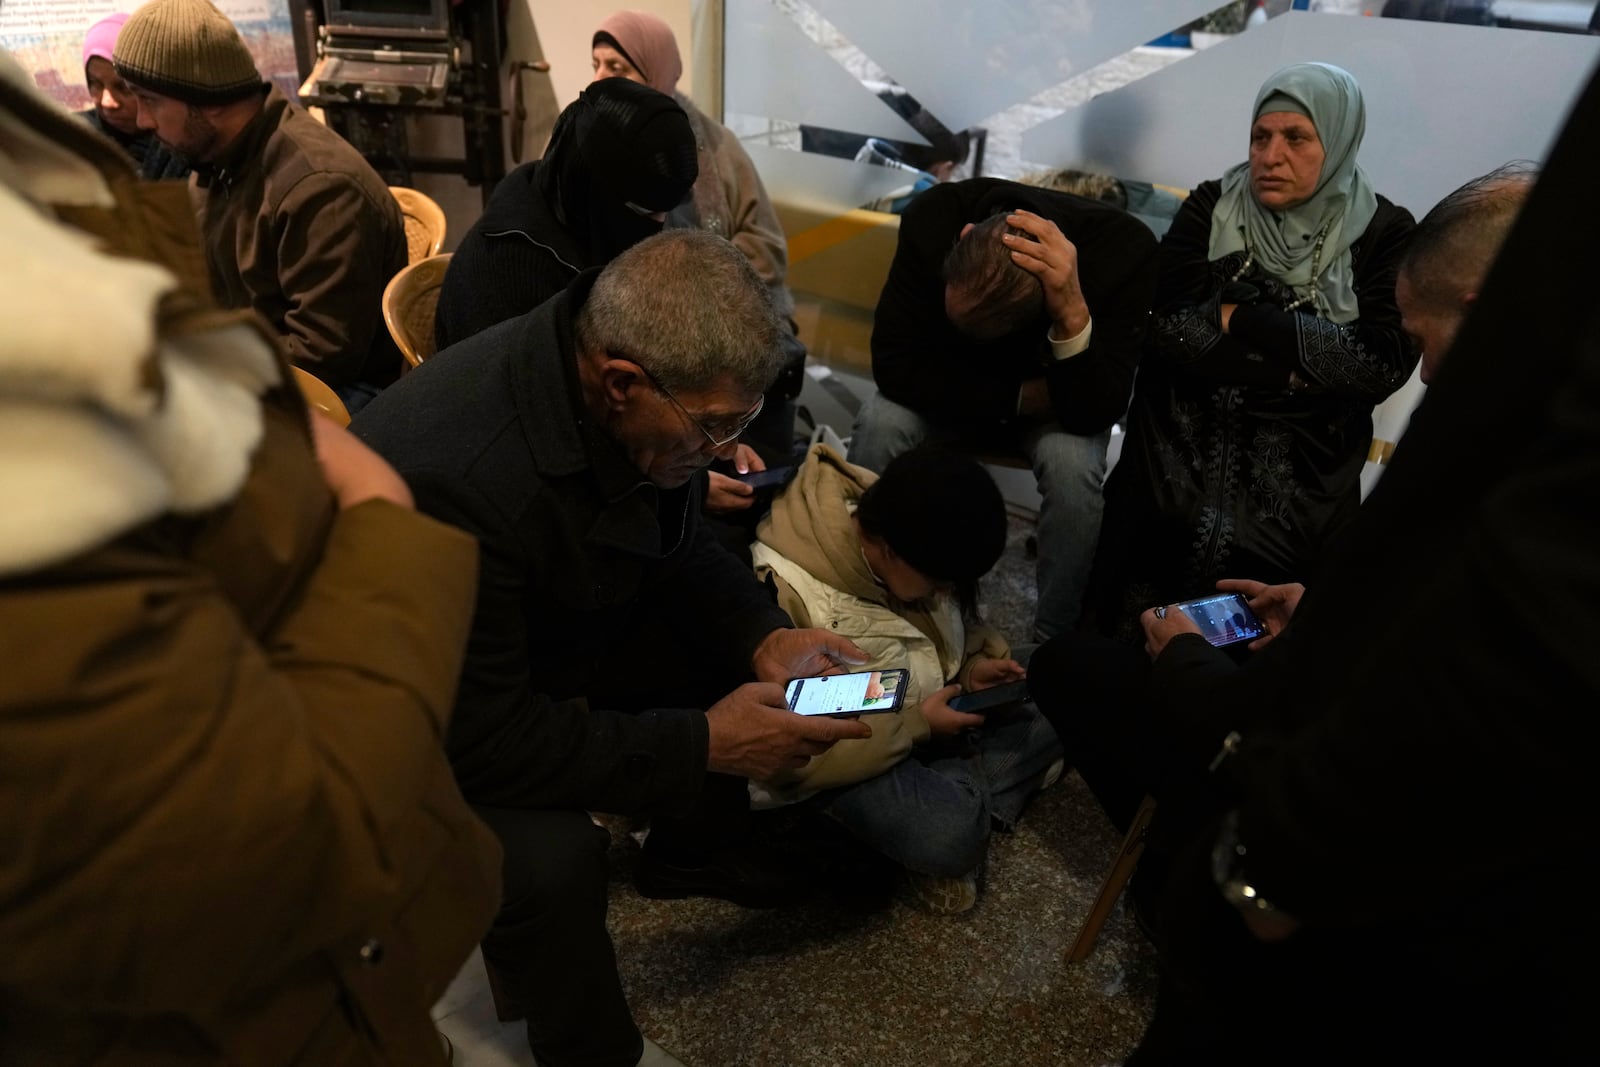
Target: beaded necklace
[1311,297]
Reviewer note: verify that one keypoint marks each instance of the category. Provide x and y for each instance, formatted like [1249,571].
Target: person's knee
[555,862]
[1070,465]
[953,844]
[883,430]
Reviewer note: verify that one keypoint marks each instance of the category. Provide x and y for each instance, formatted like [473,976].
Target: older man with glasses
[612,633]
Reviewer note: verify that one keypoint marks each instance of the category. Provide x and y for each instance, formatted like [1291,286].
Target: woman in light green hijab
[1274,334]
[1298,225]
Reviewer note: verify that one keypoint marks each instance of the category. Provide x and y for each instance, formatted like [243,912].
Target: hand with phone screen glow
[1274,605]
[755,735]
[726,495]
[784,654]
[1161,624]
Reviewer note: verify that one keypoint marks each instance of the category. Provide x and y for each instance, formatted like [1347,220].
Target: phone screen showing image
[862,693]
[1224,619]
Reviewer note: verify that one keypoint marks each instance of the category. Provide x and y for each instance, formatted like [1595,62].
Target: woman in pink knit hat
[116,111]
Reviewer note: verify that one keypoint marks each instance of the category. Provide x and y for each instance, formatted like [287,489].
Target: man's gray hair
[1452,248]
[688,306]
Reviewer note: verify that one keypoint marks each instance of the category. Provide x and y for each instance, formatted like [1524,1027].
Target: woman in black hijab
[620,157]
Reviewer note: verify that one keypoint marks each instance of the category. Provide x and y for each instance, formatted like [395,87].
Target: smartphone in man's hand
[861,693]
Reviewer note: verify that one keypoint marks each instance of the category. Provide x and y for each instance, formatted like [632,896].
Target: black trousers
[549,948]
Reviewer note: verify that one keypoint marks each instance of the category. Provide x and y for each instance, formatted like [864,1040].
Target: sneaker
[943,896]
[656,1056]
[1053,773]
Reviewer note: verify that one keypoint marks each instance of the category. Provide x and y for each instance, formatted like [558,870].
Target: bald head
[1450,253]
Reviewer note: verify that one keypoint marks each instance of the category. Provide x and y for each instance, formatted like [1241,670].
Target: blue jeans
[1071,473]
[931,813]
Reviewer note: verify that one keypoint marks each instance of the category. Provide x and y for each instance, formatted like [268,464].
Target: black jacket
[575,546]
[1226,471]
[1432,810]
[921,361]
[515,257]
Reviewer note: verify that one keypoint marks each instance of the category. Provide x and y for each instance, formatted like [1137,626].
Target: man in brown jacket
[228,833]
[296,224]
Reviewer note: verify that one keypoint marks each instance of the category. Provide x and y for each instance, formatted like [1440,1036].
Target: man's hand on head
[754,734]
[786,654]
[1054,261]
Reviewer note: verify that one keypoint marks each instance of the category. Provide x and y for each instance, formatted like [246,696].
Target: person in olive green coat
[230,645]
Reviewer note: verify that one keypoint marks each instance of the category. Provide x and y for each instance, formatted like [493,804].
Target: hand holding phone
[986,700]
[1224,619]
[772,476]
[753,734]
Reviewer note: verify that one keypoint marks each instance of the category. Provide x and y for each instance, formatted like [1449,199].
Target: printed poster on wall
[46,38]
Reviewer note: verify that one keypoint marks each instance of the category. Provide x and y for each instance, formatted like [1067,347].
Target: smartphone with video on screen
[1224,619]
[861,693]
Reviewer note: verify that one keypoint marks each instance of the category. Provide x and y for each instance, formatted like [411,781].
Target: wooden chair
[409,301]
[1116,879]
[320,396]
[425,222]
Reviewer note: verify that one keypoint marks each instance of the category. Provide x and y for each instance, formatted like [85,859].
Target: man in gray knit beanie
[295,223]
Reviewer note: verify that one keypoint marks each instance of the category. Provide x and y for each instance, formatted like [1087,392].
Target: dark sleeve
[918,358]
[1461,760]
[1367,358]
[722,599]
[511,743]
[1090,391]
[333,263]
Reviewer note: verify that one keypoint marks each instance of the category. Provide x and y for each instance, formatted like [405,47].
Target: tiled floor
[819,985]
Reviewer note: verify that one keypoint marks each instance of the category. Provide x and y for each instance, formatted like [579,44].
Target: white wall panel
[772,69]
[822,183]
[965,60]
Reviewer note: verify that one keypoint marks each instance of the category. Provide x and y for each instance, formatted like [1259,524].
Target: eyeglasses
[718,430]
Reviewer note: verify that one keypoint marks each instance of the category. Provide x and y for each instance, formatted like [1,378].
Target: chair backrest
[409,301]
[321,396]
[425,222]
